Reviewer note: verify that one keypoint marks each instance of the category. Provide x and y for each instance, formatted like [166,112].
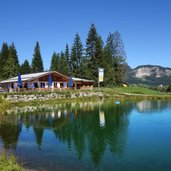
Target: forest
[76,61]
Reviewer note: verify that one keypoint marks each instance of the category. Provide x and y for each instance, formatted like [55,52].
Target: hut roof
[33,76]
[82,80]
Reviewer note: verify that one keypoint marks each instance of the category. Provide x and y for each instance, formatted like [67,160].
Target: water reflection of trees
[10,129]
[151,106]
[86,133]
[78,127]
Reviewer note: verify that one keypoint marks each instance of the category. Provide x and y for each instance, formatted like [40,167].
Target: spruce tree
[99,54]
[119,58]
[11,66]
[4,53]
[58,62]
[67,57]
[10,69]
[3,59]
[119,50]
[55,62]
[37,63]
[109,78]
[90,42]
[63,64]
[1,69]
[110,45]
[14,54]
[77,57]
[115,60]
[25,67]
[94,51]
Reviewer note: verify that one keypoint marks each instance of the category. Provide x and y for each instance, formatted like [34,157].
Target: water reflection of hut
[59,113]
[53,114]
[102,118]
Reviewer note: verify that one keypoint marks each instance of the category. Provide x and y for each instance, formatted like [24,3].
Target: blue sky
[145,26]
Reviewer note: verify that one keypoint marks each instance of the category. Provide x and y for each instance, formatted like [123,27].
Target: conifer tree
[63,64]
[4,53]
[109,77]
[77,57]
[37,63]
[1,69]
[67,56]
[119,46]
[58,62]
[110,45]
[3,59]
[115,60]
[25,67]
[10,69]
[11,66]
[119,59]
[14,54]
[55,66]
[94,50]
[90,42]
[99,54]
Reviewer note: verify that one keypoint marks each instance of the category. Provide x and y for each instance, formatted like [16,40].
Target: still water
[100,135]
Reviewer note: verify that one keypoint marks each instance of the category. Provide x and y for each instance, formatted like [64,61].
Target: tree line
[77,61]
[9,62]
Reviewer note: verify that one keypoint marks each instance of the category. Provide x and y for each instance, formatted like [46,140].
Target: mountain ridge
[149,74]
[148,65]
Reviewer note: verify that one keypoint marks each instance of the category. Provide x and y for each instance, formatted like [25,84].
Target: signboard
[101,74]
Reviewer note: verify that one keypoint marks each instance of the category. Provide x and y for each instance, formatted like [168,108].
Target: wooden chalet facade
[39,81]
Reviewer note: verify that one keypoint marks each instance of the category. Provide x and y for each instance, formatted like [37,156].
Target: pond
[99,135]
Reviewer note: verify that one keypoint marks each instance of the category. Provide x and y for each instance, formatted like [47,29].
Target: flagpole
[100,77]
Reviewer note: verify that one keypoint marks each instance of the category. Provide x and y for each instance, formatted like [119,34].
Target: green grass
[3,104]
[138,90]
[9,163]
[130,91]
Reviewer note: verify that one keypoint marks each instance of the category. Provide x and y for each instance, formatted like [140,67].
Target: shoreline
[21,99]
[8,100]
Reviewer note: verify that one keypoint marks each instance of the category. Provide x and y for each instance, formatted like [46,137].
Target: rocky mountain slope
[149,74]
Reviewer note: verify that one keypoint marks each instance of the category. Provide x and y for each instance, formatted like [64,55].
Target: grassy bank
[3,104]
[132,91]
[9,163]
